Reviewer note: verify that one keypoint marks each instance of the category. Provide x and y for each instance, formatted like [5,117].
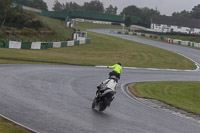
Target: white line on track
[154,106]
[27,128]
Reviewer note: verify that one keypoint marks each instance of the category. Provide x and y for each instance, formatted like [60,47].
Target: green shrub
[1,33]
[28,32]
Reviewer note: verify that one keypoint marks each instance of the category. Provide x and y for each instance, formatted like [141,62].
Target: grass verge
[87,25]
[181,94]
[7,127]
[105,50]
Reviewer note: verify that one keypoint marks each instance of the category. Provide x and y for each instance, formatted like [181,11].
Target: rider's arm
[112,66]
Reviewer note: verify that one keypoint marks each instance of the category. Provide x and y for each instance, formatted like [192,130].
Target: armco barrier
[70,43]
[63,44]
[14,44]
[177,41]
[26,45]
[191,44]
[41,45]
[56,44]
[76,42]
[185,43]
[82,41]
[130,33]
[168,40]
[197,45]
[126,33]
[147,35]
[38,45]
[1,44]
[49,44]
[6,44]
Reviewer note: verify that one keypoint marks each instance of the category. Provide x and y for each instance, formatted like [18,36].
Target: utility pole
[123,21]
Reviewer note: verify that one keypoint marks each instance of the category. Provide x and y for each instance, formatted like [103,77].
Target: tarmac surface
[58,98]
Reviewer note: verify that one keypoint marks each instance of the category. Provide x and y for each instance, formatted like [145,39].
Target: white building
[175,24]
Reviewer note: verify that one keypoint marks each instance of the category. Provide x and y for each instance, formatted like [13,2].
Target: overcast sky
[166,7]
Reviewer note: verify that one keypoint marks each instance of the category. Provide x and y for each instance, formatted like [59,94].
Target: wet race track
[57,99]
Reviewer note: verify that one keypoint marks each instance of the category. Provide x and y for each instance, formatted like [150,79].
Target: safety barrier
[168,40]
[41,45]
[77,14]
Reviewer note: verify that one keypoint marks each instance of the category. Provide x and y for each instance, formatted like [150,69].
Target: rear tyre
[102,106]
[94,103]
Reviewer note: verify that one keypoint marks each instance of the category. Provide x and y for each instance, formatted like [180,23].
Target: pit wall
[168,40]
[41,45]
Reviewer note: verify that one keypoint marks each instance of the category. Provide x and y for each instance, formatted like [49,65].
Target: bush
[28,32]
[1,33]
[36,24]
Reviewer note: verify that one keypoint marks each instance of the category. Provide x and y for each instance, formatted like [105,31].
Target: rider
[117,70]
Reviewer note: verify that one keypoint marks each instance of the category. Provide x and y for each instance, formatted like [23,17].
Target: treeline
[195,13]
[39,4]
[93,6]
[143,14]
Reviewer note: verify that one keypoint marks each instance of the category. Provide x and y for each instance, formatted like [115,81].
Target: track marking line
[16,123]
[154,106]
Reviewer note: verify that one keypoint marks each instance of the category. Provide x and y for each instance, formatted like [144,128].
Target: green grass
[105,50]
[87,25]
[63,33]
[181,94]
[7,127]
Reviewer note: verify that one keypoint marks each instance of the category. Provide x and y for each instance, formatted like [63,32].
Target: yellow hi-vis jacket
[117,68]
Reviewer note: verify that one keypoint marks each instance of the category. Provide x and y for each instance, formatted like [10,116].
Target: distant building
[175,24]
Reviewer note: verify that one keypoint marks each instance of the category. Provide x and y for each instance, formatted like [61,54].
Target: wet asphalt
[58,98]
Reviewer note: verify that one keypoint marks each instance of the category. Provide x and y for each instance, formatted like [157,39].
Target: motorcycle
[103,99]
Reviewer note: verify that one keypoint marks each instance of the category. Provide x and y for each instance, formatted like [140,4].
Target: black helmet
[119,63]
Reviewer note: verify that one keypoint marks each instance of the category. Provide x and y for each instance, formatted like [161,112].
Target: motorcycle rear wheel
[94,103]
[102,106]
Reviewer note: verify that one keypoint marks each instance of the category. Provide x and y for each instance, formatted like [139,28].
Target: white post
[123,21]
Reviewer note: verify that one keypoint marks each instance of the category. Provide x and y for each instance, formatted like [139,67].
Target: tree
[183,13]
[39,4]
[146,15]
[196,12]
[57,6]
[128,21]
[5,9]
[67,7]
[111,10]
[131,11]
[143,14]
[72,6]
[94,6]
